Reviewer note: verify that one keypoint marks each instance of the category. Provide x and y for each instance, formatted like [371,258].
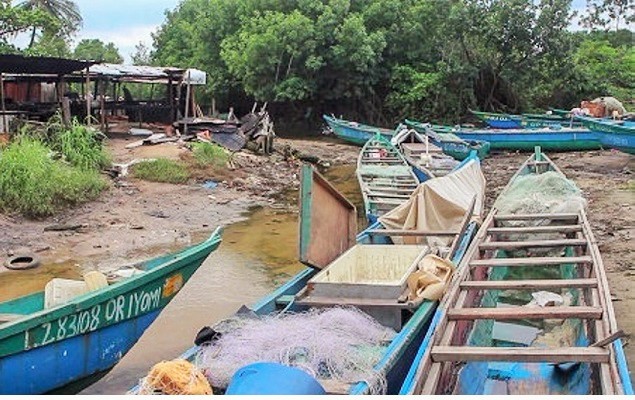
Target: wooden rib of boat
[549,138]
[618,135]
[385,178]
[511,121]
[327,230]
[42,349]
[426,159]
[451,144]
[479,345]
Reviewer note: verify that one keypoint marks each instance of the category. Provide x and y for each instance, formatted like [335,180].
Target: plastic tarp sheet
[439,205]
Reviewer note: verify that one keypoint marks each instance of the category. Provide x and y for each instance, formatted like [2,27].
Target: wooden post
[4,106]
[188,93]
[171,97]
[86,96]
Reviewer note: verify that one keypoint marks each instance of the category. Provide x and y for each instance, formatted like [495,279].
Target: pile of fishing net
[176,377]
[341,344]
[548,193]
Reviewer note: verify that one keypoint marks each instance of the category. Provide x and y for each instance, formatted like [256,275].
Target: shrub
[209,154]
[35,185]
[161,170]
[81,147]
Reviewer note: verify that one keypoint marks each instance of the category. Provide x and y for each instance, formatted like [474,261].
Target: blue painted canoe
[451,145]
[483,340]
[385,178]
[400,352]
[354,132]
[45,349]
[553,139]
[531,121]
[618,135]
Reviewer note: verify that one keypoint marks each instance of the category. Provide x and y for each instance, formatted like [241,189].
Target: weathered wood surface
[520,354]
[509,313]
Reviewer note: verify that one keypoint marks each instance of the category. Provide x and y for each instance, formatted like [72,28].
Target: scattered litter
[157,214]
[210,185]
[545,299]
[140,132]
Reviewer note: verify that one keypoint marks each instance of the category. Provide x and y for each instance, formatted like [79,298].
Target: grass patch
[209,154]
[80,146]
[35,185]
[161,170]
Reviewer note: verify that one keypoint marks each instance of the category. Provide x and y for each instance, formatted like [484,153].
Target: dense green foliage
[161,170]
[34,184]
[374,60]
[382,60]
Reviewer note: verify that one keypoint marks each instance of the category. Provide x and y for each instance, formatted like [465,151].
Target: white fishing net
[549,192]
[341,344]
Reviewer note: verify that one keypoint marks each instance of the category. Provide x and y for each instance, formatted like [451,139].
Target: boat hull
[458,150]
[614,136]
[533,121]
[527,140]
[44,369]
[357,135]
[56,347]
[398,357]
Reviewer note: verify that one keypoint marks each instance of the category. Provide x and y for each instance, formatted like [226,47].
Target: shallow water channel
[256,256]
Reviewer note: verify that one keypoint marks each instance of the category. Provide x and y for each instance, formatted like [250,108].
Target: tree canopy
[95,49]
[382,60]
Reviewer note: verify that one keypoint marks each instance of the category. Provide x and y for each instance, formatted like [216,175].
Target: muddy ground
[134,216]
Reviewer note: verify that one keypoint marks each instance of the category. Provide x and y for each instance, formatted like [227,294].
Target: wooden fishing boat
[553,139]
[45,348]
[510,121]
[426,159]
[479,343]
[385,178]
[618,135]
[452,144]
[327,238]
[354,132]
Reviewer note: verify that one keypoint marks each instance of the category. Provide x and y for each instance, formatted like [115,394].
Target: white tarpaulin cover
[438,205]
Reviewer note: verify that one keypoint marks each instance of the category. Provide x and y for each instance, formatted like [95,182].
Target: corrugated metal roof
[147,72]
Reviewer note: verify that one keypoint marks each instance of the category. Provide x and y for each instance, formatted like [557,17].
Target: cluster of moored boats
[512,302]
[559,131]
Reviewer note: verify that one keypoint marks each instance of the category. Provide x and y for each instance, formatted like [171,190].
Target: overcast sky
[126,23]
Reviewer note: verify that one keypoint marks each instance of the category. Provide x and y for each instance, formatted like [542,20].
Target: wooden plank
[509,313]
[530,284]
[397,232]
[537,229]
[532,243]
[525,217]
[387,195]
[520,354]
[359,302]
[527,261]
[469,212]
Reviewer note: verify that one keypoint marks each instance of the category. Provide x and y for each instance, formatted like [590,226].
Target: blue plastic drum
[272,378]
